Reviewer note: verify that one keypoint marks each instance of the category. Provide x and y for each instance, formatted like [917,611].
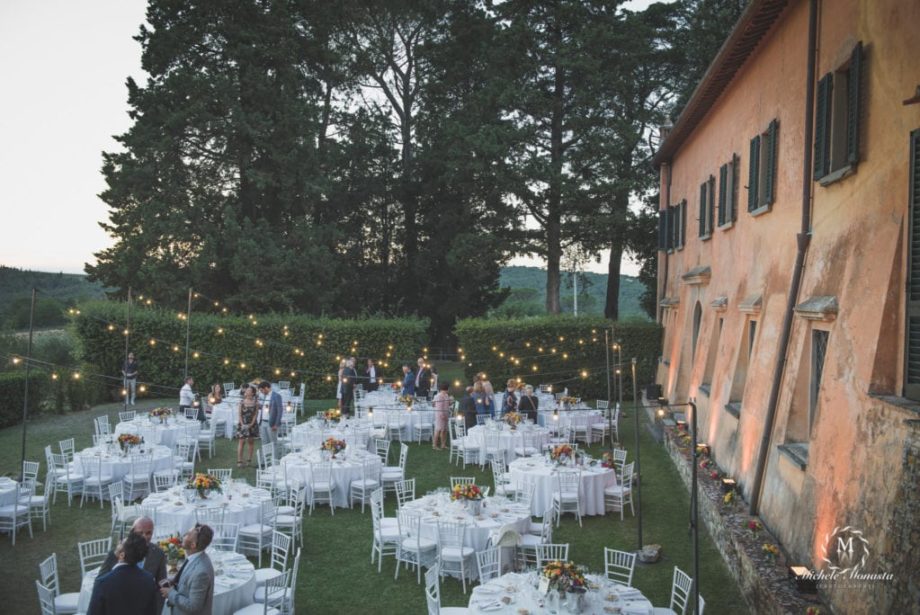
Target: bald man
[154,563]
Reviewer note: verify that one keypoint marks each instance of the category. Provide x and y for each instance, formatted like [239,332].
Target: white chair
[208,438]
[390,475]
[164,481]
[95,479]
[45,599]
[14,516]
[433,595]
[93,553]
[462,480]
[619,460]
[681,586]
[62,604]
[610,424]
[501,478]
[122,516]
[276,589]
[68,447]
[492,446]
[66,478]
[405,492]
[228,388]
[386,535]
[40,505]
[224,475]
[567,498]
[126,415]
[283,600]
[30,470]
[281,549]
[490,565]
[226,536]
[101,424]
[137,481]
[528,447]
[322,487]
[617,496]
[423,425]
[289,518]
[412,549]
[212,515]
[452,553]
[255,537]
[382,450]
[468,449]
[550,552]
[394,425]
[184,460]
[527,549]
[619,566]
[362,488]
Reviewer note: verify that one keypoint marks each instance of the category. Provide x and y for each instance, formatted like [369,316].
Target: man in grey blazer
[154,562]
[268,429]
[192,591]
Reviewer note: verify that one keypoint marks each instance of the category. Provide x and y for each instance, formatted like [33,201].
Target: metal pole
[607,344]
[638,463]
[124,380]
[694,513]
[188,323]
[620,372]
[25,395]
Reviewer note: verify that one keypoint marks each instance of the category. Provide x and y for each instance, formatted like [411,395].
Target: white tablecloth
[567,418]
[594,479]
[381,397]
[7,491]
[355,432]
[116,464]
[229,412]
[234,584]
[347,467]
[517,593]
[408,419]
[508,439]
[158,433]
[240,503]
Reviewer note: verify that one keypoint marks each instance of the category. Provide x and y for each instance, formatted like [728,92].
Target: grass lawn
[336,575]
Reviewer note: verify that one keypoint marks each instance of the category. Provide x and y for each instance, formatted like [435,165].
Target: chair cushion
[255,529]
[409,544]
[389,522]
[274,595]
[256,609]
[286,520]
[364,483]
[455,554]
[66,603]
[565,497]
[615,490]
[390,534]
[323,486]
[529,540]
[266,574]
[137,478]
[284,510]
[454,610]
[7,511]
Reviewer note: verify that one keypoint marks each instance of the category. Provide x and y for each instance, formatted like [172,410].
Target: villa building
[789,279]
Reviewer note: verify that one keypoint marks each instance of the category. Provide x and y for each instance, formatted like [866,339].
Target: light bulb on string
[153,342]
[54,376]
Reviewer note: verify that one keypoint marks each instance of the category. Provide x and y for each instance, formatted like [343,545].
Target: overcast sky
[63,66]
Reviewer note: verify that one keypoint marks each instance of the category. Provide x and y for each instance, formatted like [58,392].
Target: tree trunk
[553,257]
[612,304]
[554,207]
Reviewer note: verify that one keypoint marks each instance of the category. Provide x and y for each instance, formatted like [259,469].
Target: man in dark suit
[126,590]
[422,379]
[192,591]
[408,387]
[154,562]
[349,377]
[371,376]
[269,424]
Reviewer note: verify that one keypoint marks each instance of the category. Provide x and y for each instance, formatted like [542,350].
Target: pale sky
[63,66]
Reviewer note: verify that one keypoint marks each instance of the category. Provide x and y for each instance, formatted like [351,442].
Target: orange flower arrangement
[565,577]
[202,483]
[466,492]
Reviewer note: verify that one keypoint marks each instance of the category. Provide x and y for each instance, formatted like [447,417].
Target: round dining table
[234,584]
[543,474]
[117,463]
[346,467]
[355,432]
[508,440]
[519,593]
[7,491]
[178,508]
[155,432]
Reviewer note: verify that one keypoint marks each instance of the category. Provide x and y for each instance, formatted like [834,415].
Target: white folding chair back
[619,566]
[552,553]
[489,562]
[93,553]
[226,536]
[45,599]
[462,480]
[405,491]
[225,475]
[681,585]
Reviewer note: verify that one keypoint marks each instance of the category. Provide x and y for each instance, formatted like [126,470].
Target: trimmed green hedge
[579,347]
[12,390]
[234,338]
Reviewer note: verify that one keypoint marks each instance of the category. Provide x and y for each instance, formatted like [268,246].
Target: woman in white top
[338,389]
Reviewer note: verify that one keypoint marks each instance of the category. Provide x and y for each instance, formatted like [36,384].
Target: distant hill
[528,291]
[56,292]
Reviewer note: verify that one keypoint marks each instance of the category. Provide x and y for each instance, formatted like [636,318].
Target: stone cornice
[697,275]
[822,308]
[751,304]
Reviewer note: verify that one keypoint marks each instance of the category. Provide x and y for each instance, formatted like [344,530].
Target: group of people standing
[480,401]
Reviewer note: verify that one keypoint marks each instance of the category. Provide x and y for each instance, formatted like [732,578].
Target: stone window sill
[706,389]
[706,237]
[796,452]
[734,409]
[759,211]
[840,174]
[726,225]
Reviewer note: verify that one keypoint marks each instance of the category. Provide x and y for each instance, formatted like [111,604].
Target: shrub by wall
[240,349]
[12,390]
[561,350]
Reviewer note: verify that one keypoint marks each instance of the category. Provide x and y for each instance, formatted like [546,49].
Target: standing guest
[434,376]
[192,591]
[247,425]
[338,388]
[408,387]
[270,418]
[510,401]
[187,398]
[371,373]
[127,589]
[130,378]
[468,408]
[482,400]
[441,416]
[216,396]
[349,377]
[154,562]
[487,388]
[528,405]
[422,379]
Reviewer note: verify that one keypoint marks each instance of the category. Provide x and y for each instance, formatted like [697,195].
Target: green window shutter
[854,83]
[733,186]
[683,222]
[823,126]
[723,188]
[710,207]
[753,173]
[770,164]
[703,209]
[912,349]
[662,230]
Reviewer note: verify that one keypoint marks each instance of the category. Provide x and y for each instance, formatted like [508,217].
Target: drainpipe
[802,239]
[664,286]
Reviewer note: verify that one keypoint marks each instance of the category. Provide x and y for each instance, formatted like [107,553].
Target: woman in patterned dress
[247,427]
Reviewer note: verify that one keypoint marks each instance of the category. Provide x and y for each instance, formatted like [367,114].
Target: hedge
[579,347]
[240,349]
[12,390]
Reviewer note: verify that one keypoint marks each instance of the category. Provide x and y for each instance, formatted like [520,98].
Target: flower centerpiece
[396,387]
[562,454]
[568,401]
[513,419]
[172,548]
[204,484]
[755,526]
[161,413]
[771,551]
[332,414]
[469,493]
[565,579]
[333,445]
[406,400]
[127,440]
[607,460]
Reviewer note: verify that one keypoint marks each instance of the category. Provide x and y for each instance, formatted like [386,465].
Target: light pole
[638,462]
[694,497]
[25,393]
